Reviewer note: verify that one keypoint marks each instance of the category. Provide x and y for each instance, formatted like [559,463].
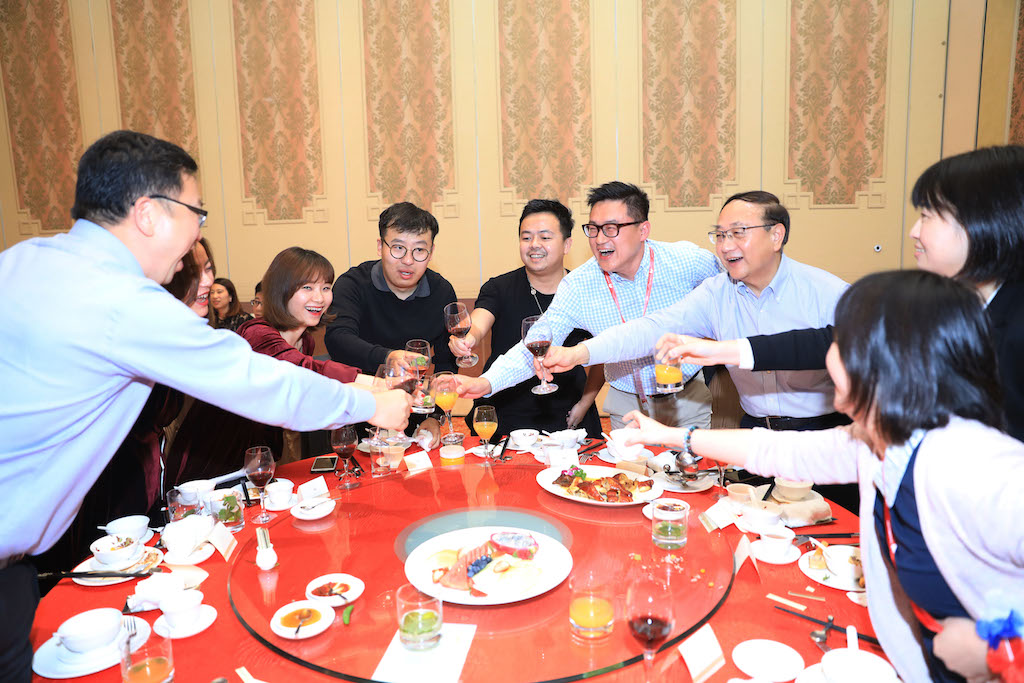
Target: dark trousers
[846,495]
[19,596]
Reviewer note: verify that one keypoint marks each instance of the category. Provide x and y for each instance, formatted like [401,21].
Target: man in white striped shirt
[629,276]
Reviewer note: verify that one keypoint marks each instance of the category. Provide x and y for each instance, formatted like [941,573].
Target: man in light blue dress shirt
[630,275]
[762,292]
[75,379]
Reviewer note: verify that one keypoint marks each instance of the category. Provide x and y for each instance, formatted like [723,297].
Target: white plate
[207,615]
[51,660]
[824,576]
[812,674]
[149,559]
[318,512]
[478,451]
[767,660]
[552,559]
[356,588]
[314,629]
[757,549]
[606,455]
[546,479]
[701,483]
[858,597]
[197,556]
[749,528]
[812,496]
[278,508]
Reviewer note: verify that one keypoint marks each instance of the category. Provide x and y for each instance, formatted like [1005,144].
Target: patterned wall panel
[1016,136]
[155,80]
[689,98]
[837,79]
[408,72]
[546,127]
[279,105]
[43,117]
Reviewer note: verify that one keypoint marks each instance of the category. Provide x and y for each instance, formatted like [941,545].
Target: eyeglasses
[419,254]
[737,234]
[609,229]
[194,209]
[256,302]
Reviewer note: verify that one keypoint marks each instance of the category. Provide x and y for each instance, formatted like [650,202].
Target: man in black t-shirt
[545,236]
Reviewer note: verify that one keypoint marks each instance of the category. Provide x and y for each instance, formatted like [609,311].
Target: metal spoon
[304,614]
[820,636]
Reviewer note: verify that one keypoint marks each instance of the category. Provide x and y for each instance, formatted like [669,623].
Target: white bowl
[844,665]
[837,559]
[761,513]
[135,526]
[618,446]
[524,438]
[114,549]
[279,492]
[90,630]
[196,491]
[789,489]
[182,610]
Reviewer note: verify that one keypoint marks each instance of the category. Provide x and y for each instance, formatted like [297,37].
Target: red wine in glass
[537,339]
[538,348]
[461,331]
[458,324]
[261,478]
[346,450]
[408,384]
[650,631]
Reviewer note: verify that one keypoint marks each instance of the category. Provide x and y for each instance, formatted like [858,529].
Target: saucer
[479,452]
[748,527]
[52,660]
[812,674]
[612,459]
[757,549]
[767,660]
[148,559]
[701,483]
[356,588]
[812,495]
[207,615]
[277,508]
[316,628]
[318,512]
[198,556]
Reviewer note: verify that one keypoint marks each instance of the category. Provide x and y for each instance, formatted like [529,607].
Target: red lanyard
[926,619]
[637,382]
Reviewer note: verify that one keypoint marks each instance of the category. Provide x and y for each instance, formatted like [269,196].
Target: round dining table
[371,530]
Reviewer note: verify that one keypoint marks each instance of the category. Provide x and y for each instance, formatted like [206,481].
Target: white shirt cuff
[746,354]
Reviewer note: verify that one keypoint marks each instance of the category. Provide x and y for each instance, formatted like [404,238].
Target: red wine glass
[343,441]
[458,324]
[649,611]
[259,468]
[537,338]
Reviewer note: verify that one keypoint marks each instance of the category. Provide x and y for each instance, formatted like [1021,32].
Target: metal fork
[130,631]
[820,636]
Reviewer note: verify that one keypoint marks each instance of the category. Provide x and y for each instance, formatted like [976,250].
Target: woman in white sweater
[914,368]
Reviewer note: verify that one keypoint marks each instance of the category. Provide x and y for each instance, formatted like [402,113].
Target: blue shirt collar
[104,246]
[778,283]
[641,271]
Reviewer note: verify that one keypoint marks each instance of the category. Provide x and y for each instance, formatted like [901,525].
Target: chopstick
[92,575]
[594,446]
[504,445]
[851,534]
[840,629]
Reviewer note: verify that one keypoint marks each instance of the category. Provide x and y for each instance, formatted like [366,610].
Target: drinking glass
[537,337]
[591,606]
[179,505]
[259,468]
[419,618]
[669,377]
[379,384]
[417,357]
[669,519]
[226,507]
[485,422]
[151,662]
[343,441]
[458,323]
[398,375]
[649,613]
[444,389]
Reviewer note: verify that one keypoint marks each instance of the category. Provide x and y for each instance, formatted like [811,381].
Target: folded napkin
[444,662]
[805,513]
[181,538]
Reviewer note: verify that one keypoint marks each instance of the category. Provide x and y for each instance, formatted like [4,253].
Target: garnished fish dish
[618,488]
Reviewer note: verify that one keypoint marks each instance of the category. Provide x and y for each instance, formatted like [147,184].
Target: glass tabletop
[374,527]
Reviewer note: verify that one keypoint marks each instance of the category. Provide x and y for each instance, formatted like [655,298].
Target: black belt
[6,562]
[796,423]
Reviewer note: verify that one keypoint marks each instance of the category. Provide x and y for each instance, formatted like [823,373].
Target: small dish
[701,483]
[278,508]
[197,556]
[149,559]
[308,629]
[207,615]
[768,660]
[318,508]
[761,554]
[356,588]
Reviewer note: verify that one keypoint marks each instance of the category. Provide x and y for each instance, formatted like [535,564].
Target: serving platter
[546,480]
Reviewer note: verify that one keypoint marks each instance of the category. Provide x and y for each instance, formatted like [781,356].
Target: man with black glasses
[380,305]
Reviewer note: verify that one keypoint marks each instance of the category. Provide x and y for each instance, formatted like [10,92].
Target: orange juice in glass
[591,615]
[669,378]
[485,422]
[444,388]
[150,670]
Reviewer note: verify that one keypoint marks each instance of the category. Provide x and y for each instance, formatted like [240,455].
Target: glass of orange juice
[669,377]
[591,607]
[150,662]
[444,388]
[485,422]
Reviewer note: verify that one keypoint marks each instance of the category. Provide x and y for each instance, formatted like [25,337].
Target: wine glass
[485,422]
[458,323]
[444,389]
[379,384]
[649,611]
[259,468]
[417,357]
[398,375]
[537,337]
[343,441]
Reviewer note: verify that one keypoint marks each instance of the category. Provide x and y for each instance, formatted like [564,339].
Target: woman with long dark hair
[225,308]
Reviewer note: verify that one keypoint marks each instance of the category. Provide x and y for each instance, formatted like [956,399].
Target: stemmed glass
[417,357]
[343,441]
[259,468]
[458,323]
[379,384]
[649,611]
[485,422]
[444,388]
[537,337]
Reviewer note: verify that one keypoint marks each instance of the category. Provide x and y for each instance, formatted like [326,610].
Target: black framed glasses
[609,229]
[737,234]
[255,302]
[419,254]
[194,209]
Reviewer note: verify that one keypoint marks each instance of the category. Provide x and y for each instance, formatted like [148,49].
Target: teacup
[279,492]
[568,438]
[149,592]
[776,542]
[761,513]
[182,610]
[846,665]
[523,438]
[134,526]
[740,493]
[617,444]
[90,630]
[115,550]
[195,492]
[182,537]
[844,562]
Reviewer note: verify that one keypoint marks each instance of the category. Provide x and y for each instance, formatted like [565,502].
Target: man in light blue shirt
[762,292]
[75,378]
[629,276]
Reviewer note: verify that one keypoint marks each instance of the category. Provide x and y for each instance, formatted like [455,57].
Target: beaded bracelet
[689,436]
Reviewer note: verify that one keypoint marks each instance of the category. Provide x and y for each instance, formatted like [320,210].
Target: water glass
[226,507]
[180,505]
[419,618]
[380,462]
[591,607]
[152,662]
[669,518]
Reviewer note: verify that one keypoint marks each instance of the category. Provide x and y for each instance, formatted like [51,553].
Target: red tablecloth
[363,535]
